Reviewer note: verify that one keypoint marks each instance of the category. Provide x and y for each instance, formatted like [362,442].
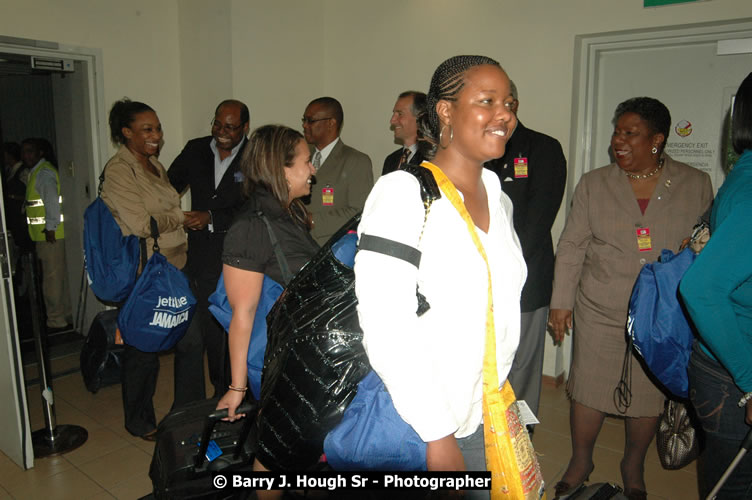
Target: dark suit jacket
[194,168]
[536,199]
[349,173]
[392,161]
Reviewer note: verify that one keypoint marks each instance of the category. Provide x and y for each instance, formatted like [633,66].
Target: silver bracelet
[745,398]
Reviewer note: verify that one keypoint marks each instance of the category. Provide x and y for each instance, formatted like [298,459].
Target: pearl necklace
[645,176]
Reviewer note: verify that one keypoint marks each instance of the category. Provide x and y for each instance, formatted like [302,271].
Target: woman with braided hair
[432,364]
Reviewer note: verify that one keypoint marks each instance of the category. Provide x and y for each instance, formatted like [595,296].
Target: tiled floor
[113,464]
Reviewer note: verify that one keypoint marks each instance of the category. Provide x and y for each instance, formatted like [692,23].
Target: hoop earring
[441,136]
[654,150]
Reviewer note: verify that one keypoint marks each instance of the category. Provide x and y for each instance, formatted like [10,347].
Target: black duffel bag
[314,356]
[314,360]
[101,357]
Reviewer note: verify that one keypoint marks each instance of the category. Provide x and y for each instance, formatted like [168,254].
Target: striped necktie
[317,160]
[403,158]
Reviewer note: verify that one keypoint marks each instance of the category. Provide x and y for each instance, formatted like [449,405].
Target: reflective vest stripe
[40,203]
[40,220]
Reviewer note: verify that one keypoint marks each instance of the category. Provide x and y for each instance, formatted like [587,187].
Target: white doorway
[78,138]
[682,67]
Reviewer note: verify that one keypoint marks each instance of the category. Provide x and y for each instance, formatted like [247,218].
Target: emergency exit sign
[659,3]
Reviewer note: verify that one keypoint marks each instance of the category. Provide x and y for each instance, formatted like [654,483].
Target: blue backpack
[657,323]
[111,259]
[220,308]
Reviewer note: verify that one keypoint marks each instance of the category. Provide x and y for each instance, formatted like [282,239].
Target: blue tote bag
[372,435]
[160,307]
[220,308]
[657,323]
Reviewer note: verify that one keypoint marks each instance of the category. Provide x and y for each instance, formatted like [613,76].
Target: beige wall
[139,46]
[205,47]
[183,56]
[278,58]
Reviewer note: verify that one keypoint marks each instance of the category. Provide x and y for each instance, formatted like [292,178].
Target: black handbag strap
[391,248]
[281,260]
[429,192]
[142,242]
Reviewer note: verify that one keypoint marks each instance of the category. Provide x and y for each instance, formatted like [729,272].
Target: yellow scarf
[515,471]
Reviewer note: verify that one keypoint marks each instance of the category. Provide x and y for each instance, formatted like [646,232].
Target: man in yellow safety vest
[44,215]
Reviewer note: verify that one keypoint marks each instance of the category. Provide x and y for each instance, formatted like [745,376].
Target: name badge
[644,242]
[520,168]
[327,196]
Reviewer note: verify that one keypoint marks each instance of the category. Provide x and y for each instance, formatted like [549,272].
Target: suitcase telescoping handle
[216,416]
[745,447]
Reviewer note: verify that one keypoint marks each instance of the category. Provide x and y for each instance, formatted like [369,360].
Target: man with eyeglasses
[344,176]
[210,167]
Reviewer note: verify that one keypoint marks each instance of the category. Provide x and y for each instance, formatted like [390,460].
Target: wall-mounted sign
[659,3]
[699,151]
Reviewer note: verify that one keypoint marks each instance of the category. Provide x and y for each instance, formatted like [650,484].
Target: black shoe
[564,490]
[150,436]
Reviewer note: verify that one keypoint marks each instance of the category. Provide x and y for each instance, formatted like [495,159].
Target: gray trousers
[474,452]
[527,368]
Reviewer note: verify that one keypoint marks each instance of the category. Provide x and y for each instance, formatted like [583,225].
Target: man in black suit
[209,167]
[533,173]
[409,106]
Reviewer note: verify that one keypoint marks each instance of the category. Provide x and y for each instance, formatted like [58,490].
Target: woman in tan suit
[136,188]
[622,215]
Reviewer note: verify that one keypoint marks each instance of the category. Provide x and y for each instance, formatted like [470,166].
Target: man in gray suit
[344,176]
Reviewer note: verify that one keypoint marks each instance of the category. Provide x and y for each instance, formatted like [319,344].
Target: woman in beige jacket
[622,216]
[135,189]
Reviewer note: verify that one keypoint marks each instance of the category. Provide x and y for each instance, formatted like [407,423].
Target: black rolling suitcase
[101,357]
[179,467]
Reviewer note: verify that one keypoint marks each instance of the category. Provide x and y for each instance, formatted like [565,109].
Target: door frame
[17,441]
[95,81]
[588,51]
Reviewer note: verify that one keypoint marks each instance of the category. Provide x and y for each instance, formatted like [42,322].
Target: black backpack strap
[281,260]
[101,181]
[154,233]
[142,242]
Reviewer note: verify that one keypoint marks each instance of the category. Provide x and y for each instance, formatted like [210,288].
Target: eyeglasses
[309,121]
[230,129]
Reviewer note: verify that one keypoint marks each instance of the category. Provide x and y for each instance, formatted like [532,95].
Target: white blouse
[432,365]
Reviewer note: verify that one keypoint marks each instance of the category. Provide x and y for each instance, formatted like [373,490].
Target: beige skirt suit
[597,262]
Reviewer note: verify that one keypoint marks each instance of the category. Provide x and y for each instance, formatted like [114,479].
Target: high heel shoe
[563,490]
